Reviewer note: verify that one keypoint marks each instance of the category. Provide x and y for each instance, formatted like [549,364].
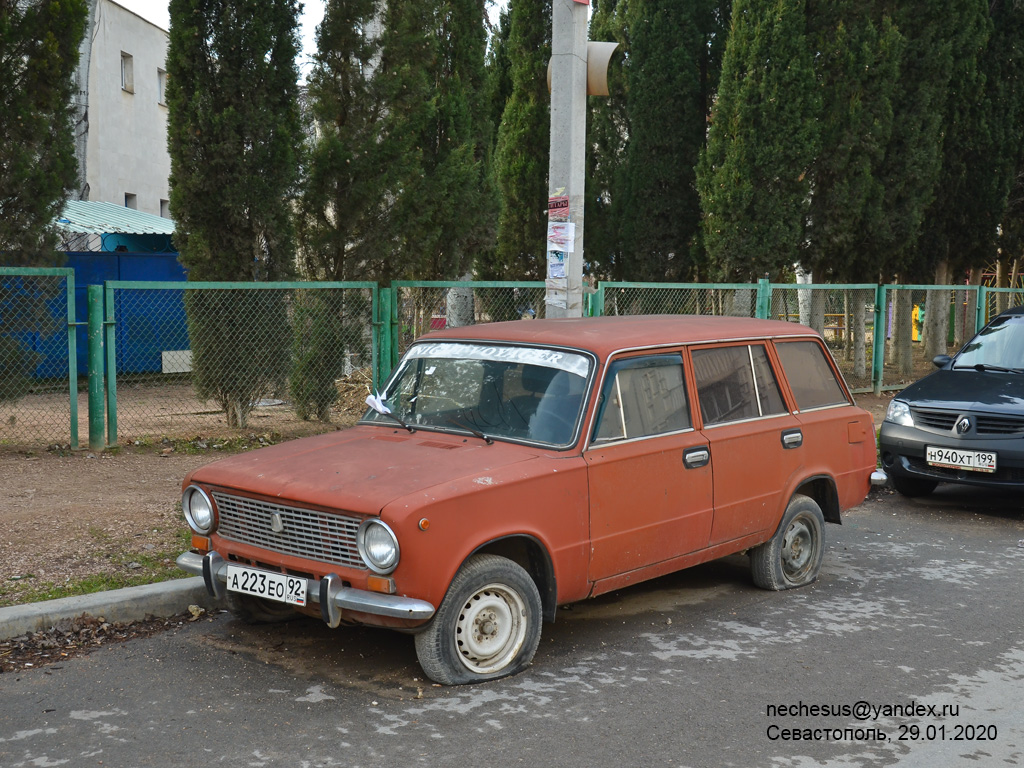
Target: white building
[121,132]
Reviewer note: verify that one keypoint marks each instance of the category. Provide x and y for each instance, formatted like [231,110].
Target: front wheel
[488,625]
[792,557]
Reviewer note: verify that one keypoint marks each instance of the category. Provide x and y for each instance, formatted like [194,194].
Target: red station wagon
[510,468]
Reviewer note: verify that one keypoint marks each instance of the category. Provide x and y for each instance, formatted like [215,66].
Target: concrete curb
[165,598]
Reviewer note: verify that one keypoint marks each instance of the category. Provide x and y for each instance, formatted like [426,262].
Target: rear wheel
[792,557]
[912,487]
[488,625]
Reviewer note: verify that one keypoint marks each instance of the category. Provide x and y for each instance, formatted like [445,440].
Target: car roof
[604,335]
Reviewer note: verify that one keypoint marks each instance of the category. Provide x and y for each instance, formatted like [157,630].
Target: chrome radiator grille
[328,538]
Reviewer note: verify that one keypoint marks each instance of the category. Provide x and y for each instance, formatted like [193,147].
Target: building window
[127,72]
[161,86]
[165,209]
[131,201]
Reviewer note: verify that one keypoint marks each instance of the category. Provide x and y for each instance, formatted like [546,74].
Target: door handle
[792,438]
[695,458]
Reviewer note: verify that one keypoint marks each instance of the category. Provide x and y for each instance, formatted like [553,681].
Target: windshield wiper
[982,367]
[376,404]
[474,432]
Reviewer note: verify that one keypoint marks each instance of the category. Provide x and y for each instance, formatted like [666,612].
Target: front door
[649,470]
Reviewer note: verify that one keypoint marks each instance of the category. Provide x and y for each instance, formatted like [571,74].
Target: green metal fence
[212,359]
[38,357]
[201,358]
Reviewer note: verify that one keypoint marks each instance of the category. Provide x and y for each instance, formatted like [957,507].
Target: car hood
[967,390]
[360,469]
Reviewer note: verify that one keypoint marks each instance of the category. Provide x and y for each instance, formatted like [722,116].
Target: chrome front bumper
[329,593]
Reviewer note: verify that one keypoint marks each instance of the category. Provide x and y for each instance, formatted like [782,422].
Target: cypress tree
[233,135]
[344,201]
[672,75]
[38,55]
[521,157]
[753,176]
[446,213]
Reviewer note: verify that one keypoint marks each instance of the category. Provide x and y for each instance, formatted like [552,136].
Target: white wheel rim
[491,629]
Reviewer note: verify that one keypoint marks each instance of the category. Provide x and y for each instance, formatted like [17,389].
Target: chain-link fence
[187,360]
[38,387]
[739,300]
[421,307]
[207,359]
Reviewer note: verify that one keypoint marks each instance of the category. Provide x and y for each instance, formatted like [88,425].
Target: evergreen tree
[521,157]
[445,214]
[608,131]
[38,55]
[857,70]
[233,136]
[764,135]
[345,197]
[672,75]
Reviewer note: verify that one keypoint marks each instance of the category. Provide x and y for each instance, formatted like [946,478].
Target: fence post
[597,301]
[981,310]
[763,307]
[110,340]
[878,340]
[383,336]
[95,332]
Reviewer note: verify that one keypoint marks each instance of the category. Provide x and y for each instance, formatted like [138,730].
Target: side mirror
[942,361]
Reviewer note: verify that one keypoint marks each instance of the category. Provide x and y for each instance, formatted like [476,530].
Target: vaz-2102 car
[510,468]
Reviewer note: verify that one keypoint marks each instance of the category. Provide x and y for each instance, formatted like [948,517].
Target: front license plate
[976,461]
[270,586]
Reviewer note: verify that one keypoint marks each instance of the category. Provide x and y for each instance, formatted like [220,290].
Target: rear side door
[756,444]
[649,470]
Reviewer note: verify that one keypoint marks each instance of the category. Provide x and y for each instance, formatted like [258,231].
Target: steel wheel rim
[491,628]
[799,547]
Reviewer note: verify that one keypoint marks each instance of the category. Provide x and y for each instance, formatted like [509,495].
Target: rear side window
[735,383]
[643,396]
[810,376]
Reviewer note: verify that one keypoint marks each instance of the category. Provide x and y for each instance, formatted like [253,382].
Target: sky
[155,11]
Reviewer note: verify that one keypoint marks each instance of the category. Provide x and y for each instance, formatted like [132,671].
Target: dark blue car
[964,423]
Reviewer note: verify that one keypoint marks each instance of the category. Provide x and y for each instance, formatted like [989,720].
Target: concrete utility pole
[567,162]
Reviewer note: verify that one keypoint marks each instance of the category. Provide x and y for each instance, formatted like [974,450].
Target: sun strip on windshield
[561,360]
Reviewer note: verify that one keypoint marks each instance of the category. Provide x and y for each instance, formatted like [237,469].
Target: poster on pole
[558,207]
[556,264]
[561,236]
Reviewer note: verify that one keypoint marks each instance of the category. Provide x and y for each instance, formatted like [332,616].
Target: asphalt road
[908,650]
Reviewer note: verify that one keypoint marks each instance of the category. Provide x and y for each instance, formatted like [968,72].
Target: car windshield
[1000,346]
[518,393]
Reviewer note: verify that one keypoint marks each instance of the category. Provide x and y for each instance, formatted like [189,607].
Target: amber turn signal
[381,584]
[424,524]
[201,543]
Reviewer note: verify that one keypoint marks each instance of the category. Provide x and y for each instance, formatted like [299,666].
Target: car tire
[487,627]
[256,610]
[912,487]
[792,556]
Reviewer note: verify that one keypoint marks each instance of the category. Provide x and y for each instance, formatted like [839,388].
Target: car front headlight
[198,509]
[898,412]
[378,546]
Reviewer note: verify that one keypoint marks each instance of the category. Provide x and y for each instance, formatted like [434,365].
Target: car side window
[736,383]
[642,396]
[810,376]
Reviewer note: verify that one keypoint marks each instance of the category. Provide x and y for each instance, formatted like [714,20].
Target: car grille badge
[276,523]
[963,425]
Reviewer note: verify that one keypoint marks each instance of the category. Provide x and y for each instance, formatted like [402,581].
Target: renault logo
[276,523]
[963,426]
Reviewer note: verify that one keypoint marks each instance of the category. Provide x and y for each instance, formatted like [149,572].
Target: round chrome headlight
[378,546]
[198,509]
